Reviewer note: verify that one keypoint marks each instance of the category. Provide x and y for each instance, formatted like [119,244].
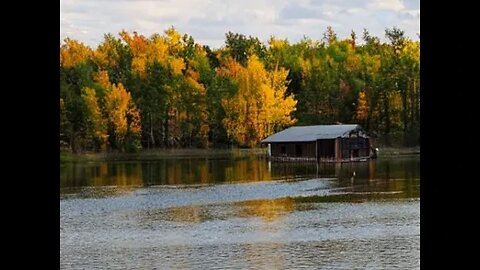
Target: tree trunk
[387,119]
[152,138]
[412,106]
[404,116]
[165,128]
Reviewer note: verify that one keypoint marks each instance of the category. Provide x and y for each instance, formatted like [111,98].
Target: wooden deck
[320,160]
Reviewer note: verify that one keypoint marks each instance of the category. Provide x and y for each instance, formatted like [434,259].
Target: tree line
[134,92]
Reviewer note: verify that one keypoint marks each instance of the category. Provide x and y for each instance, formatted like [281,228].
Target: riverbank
[394,151]
[153,154]
[67,156]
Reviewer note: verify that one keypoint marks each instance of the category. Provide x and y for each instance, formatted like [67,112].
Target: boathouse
[329,143]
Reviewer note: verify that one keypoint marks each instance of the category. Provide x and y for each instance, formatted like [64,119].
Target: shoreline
[395,151]
[152,154]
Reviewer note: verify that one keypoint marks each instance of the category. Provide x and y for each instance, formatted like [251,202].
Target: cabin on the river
[324,143]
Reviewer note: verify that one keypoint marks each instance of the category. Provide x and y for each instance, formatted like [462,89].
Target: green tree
[241,48]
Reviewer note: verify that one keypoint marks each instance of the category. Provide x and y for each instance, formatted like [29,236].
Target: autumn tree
[76,72]
[259,105]
[123,117]
[97,126]
[362,107]
[282,54]
[118,120]
[73,53]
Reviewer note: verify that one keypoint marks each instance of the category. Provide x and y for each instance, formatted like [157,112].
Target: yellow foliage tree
[235,107]
[106,54]
[138,45]
[362,106]
[73,53]
[98,125]
[156,49]
[280,106]
[101,77]
[275,43]
[177,65]
[174,40]
[133,115]
[122,113]
[116,104]
[259,106]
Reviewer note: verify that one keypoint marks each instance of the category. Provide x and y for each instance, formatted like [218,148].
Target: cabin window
[298,150]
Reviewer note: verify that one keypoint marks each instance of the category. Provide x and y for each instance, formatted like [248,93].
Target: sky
[207,21]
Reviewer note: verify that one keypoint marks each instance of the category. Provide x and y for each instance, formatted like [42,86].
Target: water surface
[229,212]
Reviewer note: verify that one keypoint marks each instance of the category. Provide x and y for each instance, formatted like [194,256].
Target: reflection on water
[268,210]
[240,213]
[74,177]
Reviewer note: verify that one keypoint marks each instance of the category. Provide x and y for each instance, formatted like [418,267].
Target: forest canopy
[133,92]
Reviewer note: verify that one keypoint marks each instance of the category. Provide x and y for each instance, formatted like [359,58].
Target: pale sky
[208,20]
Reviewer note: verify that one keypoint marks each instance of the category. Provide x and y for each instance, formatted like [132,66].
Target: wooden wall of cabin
[300,149]
[338,149]
[326,148]
[355,147]
[333,148]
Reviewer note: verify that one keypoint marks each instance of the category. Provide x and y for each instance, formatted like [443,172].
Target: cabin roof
[312,133]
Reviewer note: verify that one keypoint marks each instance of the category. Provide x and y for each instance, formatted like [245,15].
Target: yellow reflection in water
[247,170]
[273,227]
[124,176]
[268,210]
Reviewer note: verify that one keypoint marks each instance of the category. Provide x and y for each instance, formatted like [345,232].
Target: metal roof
[312,133]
